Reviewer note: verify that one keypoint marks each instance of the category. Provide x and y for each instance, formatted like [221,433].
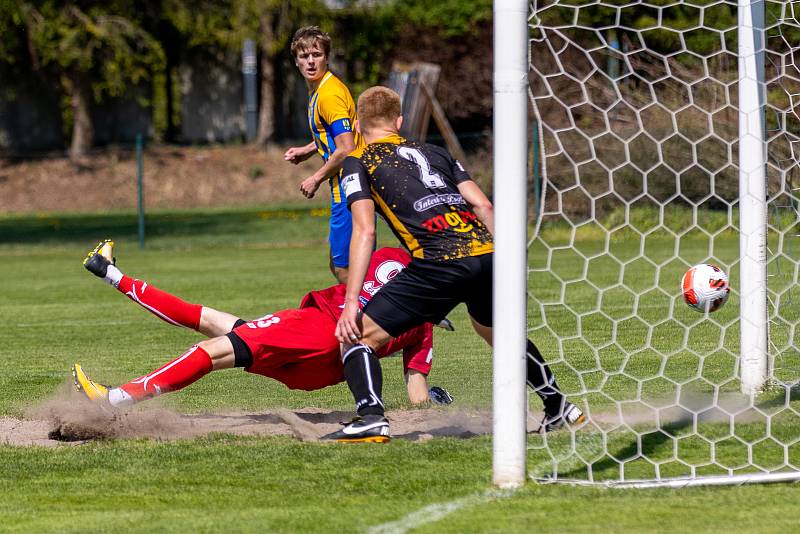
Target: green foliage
[11,30]
[12,49]
[661,26]
[453,18]
[362,39]
[206,24]
[102,41]
[224,24]
[111,46]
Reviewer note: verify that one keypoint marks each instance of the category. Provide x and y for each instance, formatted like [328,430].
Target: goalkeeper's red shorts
[295,347]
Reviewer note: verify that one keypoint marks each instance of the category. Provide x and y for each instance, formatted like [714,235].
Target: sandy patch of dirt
[174,177]
[68,418]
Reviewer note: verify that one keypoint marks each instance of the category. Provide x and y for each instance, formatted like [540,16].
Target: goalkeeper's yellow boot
[98,260]
[95,392]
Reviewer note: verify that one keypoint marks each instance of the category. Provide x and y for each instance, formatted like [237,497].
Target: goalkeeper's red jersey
[384,265]
[298,348]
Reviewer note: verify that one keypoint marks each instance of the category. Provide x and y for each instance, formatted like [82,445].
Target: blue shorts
[341,226]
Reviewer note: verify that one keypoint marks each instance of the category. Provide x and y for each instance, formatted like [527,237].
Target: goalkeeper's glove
[445,324]
[440,395]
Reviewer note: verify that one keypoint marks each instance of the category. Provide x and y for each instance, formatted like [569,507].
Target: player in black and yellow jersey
[446,222]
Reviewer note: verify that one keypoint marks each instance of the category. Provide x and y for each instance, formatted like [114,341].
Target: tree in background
[166,113]
[223,25]
[457,36]
[271,24]
[96,49]
[93,50]
[11,28]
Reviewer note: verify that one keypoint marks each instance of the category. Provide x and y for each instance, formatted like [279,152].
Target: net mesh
[635,157]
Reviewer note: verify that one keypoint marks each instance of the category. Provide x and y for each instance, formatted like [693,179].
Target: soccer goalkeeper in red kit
[296,346]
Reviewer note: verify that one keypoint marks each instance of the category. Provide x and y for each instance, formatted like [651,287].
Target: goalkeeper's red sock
[163,305]
[191,366]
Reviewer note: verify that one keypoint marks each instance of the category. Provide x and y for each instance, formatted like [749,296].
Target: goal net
[666,134]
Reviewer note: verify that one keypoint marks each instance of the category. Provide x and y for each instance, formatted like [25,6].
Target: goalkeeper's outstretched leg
[169,308]
[192,365]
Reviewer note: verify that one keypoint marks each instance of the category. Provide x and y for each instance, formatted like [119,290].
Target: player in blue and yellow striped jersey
[331,113]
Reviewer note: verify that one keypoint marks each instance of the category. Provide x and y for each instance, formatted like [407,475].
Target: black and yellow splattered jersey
[415,189]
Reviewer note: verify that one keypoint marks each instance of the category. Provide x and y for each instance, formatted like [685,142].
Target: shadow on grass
[652,445]
[286,222]
[646,446]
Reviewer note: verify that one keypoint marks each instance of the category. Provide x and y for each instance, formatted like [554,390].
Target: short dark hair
[378,105]
[306,37]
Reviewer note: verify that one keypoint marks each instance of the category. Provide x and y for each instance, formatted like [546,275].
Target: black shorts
[426,291]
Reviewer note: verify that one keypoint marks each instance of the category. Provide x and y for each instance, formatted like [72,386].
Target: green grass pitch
[252,262]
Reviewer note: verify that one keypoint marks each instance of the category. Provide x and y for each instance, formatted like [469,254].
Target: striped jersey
[415,189]
[331,112]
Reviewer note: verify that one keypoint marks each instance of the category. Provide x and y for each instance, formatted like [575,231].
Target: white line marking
[435,512]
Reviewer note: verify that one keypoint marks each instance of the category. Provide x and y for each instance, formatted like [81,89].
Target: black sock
[363,374]
[541,380]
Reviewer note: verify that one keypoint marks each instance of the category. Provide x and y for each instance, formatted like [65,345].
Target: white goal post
[509,301]
[752,197]
[668,134]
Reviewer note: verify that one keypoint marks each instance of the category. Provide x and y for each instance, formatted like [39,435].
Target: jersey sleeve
[355,180]
[334,111]
[448,165]
[459,173]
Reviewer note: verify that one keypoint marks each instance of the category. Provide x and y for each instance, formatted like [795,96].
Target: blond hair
[378,106]
[306,37]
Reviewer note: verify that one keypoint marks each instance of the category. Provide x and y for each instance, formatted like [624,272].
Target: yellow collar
[395,139]
[323,80]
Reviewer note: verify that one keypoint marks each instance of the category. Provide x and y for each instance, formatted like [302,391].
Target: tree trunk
[266,111]
[82,128]
[172,53]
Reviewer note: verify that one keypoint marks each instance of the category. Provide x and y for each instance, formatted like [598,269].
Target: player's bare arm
[479,201]
[417,387]
[345,143]
[361,242]
[298,154]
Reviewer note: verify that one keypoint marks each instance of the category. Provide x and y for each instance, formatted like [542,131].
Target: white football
[705,287]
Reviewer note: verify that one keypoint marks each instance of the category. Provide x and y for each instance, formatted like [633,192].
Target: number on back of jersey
[429,177]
